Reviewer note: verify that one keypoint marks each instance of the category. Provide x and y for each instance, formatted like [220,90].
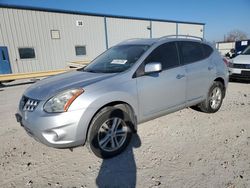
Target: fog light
[50,136]
[54,135]
[60,133]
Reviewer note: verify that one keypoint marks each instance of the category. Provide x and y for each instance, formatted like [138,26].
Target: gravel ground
[183,149]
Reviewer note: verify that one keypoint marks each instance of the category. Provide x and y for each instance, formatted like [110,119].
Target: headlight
[62,101]
[231,65]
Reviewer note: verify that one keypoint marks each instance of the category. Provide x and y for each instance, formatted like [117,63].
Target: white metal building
[225,47]
[45,39]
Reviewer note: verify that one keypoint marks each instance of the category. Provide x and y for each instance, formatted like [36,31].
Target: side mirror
[153,67]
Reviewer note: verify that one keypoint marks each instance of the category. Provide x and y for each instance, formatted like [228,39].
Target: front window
[246,51]
[166,54]
[117,59]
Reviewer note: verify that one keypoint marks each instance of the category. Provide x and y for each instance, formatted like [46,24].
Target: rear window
[207,50]
[190,51]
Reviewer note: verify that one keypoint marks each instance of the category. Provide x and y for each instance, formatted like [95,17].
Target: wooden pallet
[30,75]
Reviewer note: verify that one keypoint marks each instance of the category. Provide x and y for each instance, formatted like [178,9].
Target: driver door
[165,90]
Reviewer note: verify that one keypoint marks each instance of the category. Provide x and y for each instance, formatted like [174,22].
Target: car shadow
[119,171]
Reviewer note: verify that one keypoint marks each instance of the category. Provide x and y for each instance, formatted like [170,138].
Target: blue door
[4,61]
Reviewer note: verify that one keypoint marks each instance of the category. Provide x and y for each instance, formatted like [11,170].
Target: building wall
[25,28]
[225,47]
[191,29]
[123,29]
[32,28]
[160,29]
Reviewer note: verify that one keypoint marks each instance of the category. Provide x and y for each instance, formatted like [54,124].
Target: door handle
[179,76]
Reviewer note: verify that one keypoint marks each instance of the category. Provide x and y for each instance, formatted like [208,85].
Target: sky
[220,16]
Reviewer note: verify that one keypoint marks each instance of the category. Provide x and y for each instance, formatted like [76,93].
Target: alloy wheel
[215,98]
[112,134]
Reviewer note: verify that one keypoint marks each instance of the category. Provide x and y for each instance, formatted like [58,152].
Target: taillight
[226,61]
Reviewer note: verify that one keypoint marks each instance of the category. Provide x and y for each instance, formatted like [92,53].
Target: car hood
[242,59]
[50,86]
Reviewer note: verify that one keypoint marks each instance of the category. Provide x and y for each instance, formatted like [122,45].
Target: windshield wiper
[92,71]
[84,70]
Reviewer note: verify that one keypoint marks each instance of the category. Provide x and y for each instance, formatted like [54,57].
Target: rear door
[197,69]
[4,61]
[158,92]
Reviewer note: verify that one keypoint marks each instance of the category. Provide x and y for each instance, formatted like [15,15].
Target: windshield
[246,51]
[117,59]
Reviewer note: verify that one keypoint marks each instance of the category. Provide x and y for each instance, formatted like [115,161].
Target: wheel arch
[124,106]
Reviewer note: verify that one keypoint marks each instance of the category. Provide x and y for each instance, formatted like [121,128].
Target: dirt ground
[183,149]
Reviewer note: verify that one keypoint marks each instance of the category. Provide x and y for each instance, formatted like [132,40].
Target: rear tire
[110,132]
[214,99]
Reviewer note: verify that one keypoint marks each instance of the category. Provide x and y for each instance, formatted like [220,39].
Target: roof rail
[182,36]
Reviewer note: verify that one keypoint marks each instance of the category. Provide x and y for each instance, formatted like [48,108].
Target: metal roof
[90,14]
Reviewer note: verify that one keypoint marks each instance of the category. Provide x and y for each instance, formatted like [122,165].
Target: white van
[239,67]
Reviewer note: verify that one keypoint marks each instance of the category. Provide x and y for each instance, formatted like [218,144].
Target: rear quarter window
[207,50]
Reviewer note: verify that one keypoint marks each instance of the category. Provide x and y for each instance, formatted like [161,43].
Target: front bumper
[59,130]
[243,74]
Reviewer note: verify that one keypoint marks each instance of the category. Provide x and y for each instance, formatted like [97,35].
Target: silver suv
[133,82]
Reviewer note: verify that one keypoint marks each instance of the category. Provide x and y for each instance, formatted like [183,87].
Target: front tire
[110,132]
[214,98]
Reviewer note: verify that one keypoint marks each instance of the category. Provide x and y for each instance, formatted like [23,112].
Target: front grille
[28,104]
[240,66]
[245,73]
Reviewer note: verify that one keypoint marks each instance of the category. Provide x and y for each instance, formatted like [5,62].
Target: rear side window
[190,51]
[165,54]
[207,50]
